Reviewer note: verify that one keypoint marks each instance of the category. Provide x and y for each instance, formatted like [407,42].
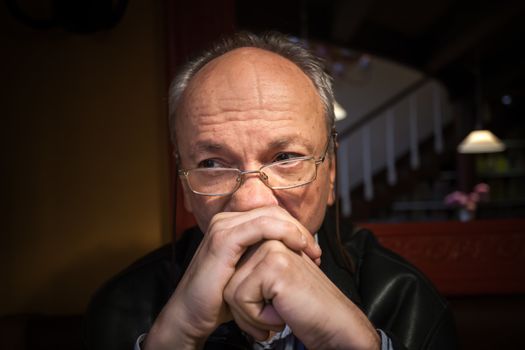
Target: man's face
[245,109]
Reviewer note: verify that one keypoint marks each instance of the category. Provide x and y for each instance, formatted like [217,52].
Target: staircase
[394,146]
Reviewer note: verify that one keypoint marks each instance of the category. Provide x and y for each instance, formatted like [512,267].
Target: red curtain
[191,26]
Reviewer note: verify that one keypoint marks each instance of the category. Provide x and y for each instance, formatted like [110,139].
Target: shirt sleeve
[386,342]
[139,340]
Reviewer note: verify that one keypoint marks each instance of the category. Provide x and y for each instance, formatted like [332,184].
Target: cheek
[307,204]
[316,207]
[205,208]
[317,201]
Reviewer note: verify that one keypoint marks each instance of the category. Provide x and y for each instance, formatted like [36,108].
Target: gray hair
[277,43]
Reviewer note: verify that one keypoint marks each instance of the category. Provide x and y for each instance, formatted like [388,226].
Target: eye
[285,156]
[209,163]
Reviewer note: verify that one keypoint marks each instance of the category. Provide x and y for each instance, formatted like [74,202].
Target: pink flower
[456,198]
[468,201]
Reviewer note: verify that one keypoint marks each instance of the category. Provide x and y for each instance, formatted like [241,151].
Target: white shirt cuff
[139,341]
[386,342]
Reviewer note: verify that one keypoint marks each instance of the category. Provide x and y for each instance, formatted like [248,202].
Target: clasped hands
[246,259]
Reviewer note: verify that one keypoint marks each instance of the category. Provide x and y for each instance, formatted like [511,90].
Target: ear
[331,178]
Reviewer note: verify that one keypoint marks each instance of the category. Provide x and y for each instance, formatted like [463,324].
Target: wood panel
[474,258]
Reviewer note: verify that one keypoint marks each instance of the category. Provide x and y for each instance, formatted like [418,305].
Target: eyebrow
[281,143]
[287,141]
[205,147]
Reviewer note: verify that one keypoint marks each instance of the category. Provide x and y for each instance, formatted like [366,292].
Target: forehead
[247,87]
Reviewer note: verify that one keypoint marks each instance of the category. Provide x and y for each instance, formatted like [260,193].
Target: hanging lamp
[480,140]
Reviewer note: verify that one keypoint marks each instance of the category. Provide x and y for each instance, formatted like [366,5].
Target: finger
[232,243]
[263,253]
[266,318]
[259,330]
[271,317]
[257,333]
[245,322]
[253,256]
[248,292]
[268,223]
[233,295]
[227,220]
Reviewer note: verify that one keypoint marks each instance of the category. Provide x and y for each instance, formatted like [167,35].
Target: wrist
[172,332]
[172,339]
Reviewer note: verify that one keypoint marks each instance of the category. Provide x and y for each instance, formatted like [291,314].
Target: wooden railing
[397,127]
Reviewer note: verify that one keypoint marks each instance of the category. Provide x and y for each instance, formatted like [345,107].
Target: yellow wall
[84,185]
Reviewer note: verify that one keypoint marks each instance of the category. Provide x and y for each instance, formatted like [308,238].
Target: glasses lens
[213,181]
[290,173]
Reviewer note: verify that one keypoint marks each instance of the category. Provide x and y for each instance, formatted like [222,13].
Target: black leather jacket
[395,296]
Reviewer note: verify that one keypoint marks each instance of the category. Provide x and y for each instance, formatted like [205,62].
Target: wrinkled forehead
[246,79]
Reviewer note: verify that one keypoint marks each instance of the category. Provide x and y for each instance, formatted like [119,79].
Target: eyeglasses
[280,175]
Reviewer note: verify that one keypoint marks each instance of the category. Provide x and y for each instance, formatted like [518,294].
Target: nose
[252,194]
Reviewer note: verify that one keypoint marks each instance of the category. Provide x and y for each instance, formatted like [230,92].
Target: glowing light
[481,141]
[339,112]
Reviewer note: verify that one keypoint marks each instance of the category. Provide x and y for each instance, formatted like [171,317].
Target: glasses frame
[184,173]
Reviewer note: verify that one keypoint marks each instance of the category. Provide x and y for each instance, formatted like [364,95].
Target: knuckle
[237,297]
[227,294]
[278,261]
[234,297]
[263,220]
[271,246]
[288,226]
[215,220]
[275,224]
[216,239]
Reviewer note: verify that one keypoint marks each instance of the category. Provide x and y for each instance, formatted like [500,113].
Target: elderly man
[253,127]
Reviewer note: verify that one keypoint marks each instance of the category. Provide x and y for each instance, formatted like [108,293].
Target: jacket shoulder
[399,298]
[127,305]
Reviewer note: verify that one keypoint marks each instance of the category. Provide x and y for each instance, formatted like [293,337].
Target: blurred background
[87,178]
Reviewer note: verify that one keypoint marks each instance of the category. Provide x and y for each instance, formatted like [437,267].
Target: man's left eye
[285,156]
[208,163]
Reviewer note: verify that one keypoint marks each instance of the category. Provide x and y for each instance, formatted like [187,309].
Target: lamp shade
[481,141]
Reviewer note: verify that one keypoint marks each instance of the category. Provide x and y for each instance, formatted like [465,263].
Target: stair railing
[381,137]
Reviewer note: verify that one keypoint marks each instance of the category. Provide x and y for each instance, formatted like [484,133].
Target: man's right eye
[209,163]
